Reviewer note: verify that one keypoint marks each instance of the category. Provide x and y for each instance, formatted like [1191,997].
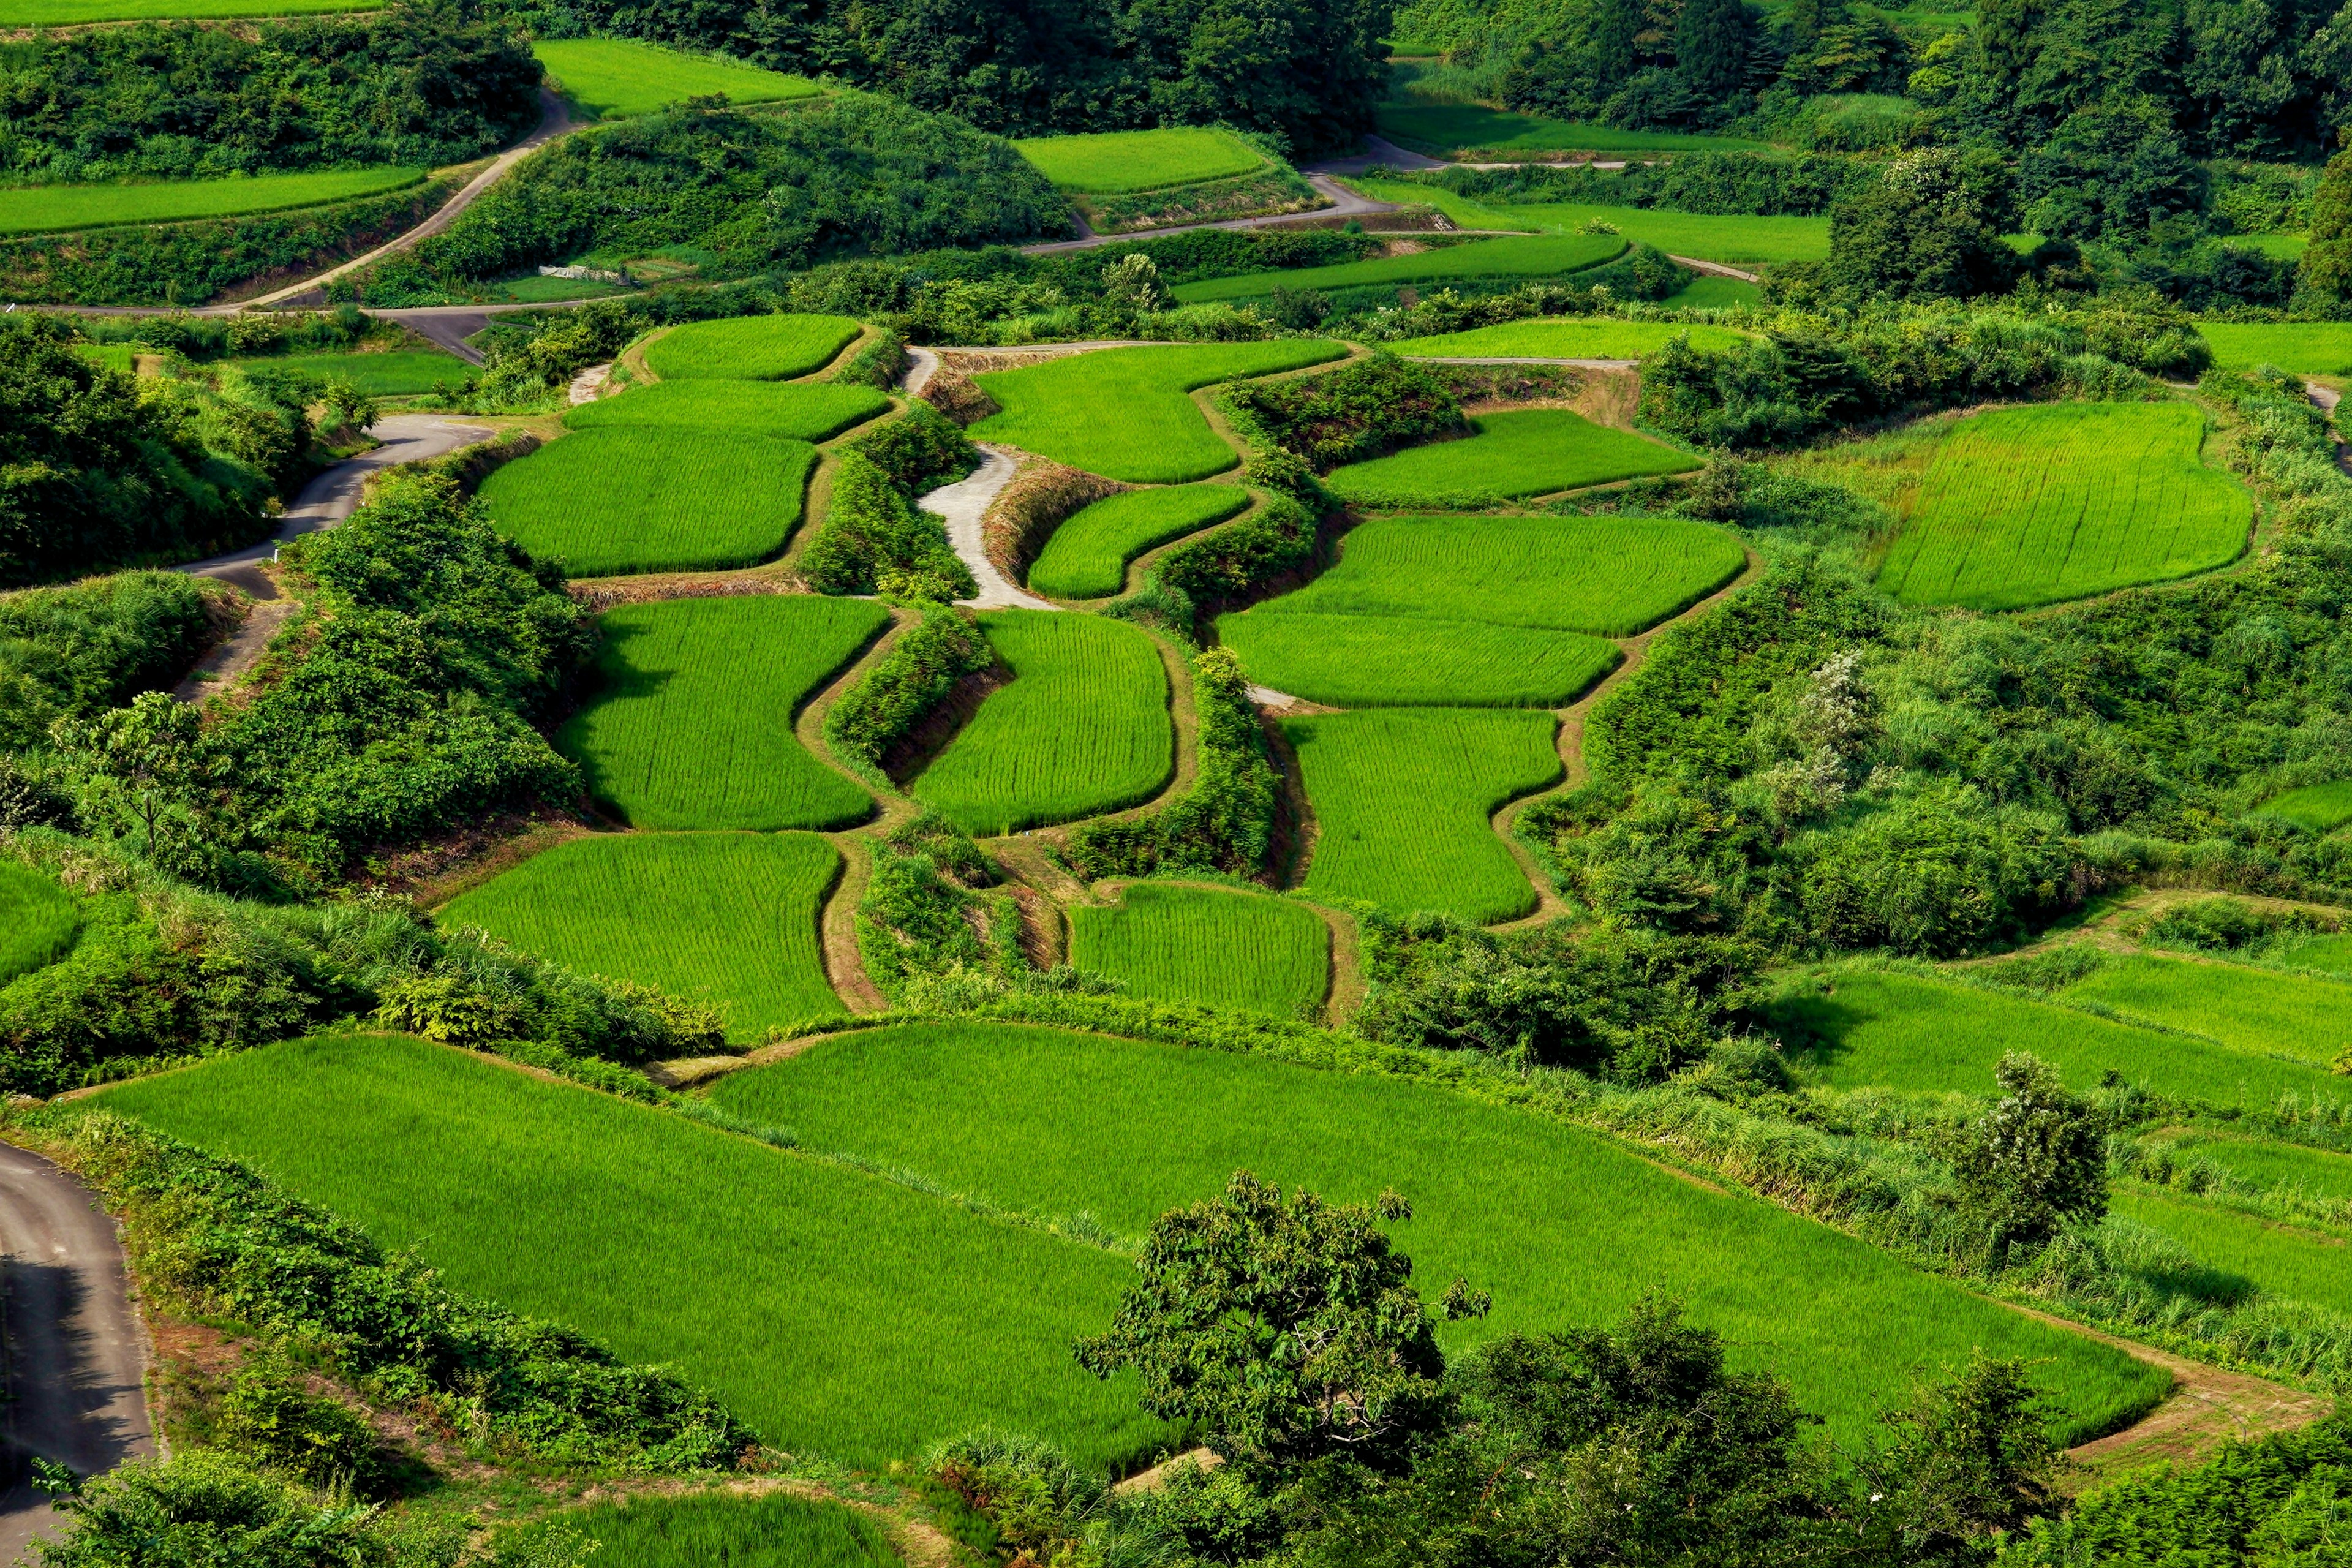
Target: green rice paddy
[2021,507]
[801,412]
[1402,800]
[1117,161]
[626,498]
[750,347]
[2315,1174]
[1211,945]
[1514,454]
[1088,555]
[1127,414]
[1564,1227]
[2332,953]
[400,372]
[38,920]
[1399,661]
[2304,348]
[693,728]
[2323,808]
[2299,1017]
[840,1314]
[1515,256]
[1566,337]
[37,209]
[1453,130]
[1082,727]
[729,919]
[1738,239]
[112,357]
[2278,1260]
[721,1530]
[612,78]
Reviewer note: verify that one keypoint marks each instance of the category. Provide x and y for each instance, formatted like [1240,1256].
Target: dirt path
[2326,398]
[965,505]
[77,1358]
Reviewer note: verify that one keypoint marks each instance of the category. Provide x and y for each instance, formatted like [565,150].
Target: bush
[66,652]
[897,694]
[1357,412]
[1227,821]
[874,540]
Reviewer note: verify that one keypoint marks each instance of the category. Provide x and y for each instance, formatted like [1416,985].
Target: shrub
[897,694]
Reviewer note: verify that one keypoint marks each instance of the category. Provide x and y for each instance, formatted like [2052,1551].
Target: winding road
[76,1361]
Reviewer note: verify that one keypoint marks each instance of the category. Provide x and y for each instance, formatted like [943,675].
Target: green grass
[2279,247]
[1127,414]
[1563,1227]
[841,1314]
[1117,161]
[2296,1016]
[113,356]
[1899,1031]
[1082,727]
[1208,945]
[1517,453]
[2323,808]
[1088,555]
[38,210]
[546,290]
[1402,799]
[2021,507]
[750,347]
[1738,239]
[1514,256]
[693,727]
[1399,661]
[729,919]
[626,499]
[1446,130]
[2333,953]
[2314,1173]
[398,374]
[722,1529]
[38,920]
[1566,337]
[2305,348]
[2296,1264]
[803,412]
[613,78]
[1709,292]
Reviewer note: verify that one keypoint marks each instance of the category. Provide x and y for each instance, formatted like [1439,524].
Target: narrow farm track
[2326,398]
[965,505]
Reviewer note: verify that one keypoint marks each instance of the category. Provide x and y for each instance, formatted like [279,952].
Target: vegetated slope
[1517,453]
[1449,130]
[2304,348]
[2252,1009]
[613,78]
[1534,256]
[40,209]
[750,347]
[1125,413]
[812,411]
[2301,1265]
[38,920]
[623,498]
[2029,506]
[729,919]
[694,725]
[1402,799]
[1082,727]
[1901,1031]
[1116,162]
[1564,1227]
[1088,555]
[776,1530]
[1210,945]
[79,12]
[2322,808]
[1736,238]
[396,373]
[839,1313]
[1565,337]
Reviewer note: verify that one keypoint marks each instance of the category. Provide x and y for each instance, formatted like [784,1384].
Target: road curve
[964,504]
[77,1358]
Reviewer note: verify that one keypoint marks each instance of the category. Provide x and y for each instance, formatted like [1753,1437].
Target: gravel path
[964,503]
[2326,398]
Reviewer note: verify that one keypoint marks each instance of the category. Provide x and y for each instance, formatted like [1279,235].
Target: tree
[1928,229]
[1712,41]
[141,764]
[1287,1328]
[2035,1160]
[2326,279]
[2108,172]
[1971,1457]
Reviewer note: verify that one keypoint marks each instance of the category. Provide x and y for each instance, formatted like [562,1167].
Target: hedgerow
[1227,821]
[897,694]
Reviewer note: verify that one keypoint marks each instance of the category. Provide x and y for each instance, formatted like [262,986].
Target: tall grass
[628,498]
[1088,555]
[613,78]
[1113,163]
[1220,948]
[2322,808]
[750,347]
[730,919]
[1542,255]
[693,727]
[2250,1253]
[38,920]
[717,1530]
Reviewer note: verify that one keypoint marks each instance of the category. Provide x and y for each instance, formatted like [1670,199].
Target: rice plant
[800,411]
[2279,1260]
[1519,453]
[1415,661]
[49,209]
[613,78]
[1211,945]
[1088,555]
[1566,337]
[1516,255]
[750,347]
[716,1530]
[2296,1016]
[728,919]
[1115,161]
[401,372]
[647,499]
[693,724]
[2322,808]
[38,920]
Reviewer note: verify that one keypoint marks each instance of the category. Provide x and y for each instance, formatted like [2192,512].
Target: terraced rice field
[2304,348]
[612,78]
[112,357]
[1088,555]
[1402,800]
[750,347]
[1566,337]
[1125,414]
[1450,130]
[1119,162]
[1515,454]
[1899,1031]
[800,411]
[1396,661]
[1738,239]
[2028,506]
[2294,1264]
[693,725]
[729,919]
[47,209]
[722,1529]
[38,920]
[1082,727]
[2332,953]
[2323,808]
[1211,945]
[2315,1174]
[1545,255]
[401,372]
[2260,1010]
[621,498]
[840,1314]
[1058,1123]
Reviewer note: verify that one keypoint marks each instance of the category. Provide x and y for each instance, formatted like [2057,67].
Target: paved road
[77,1359]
